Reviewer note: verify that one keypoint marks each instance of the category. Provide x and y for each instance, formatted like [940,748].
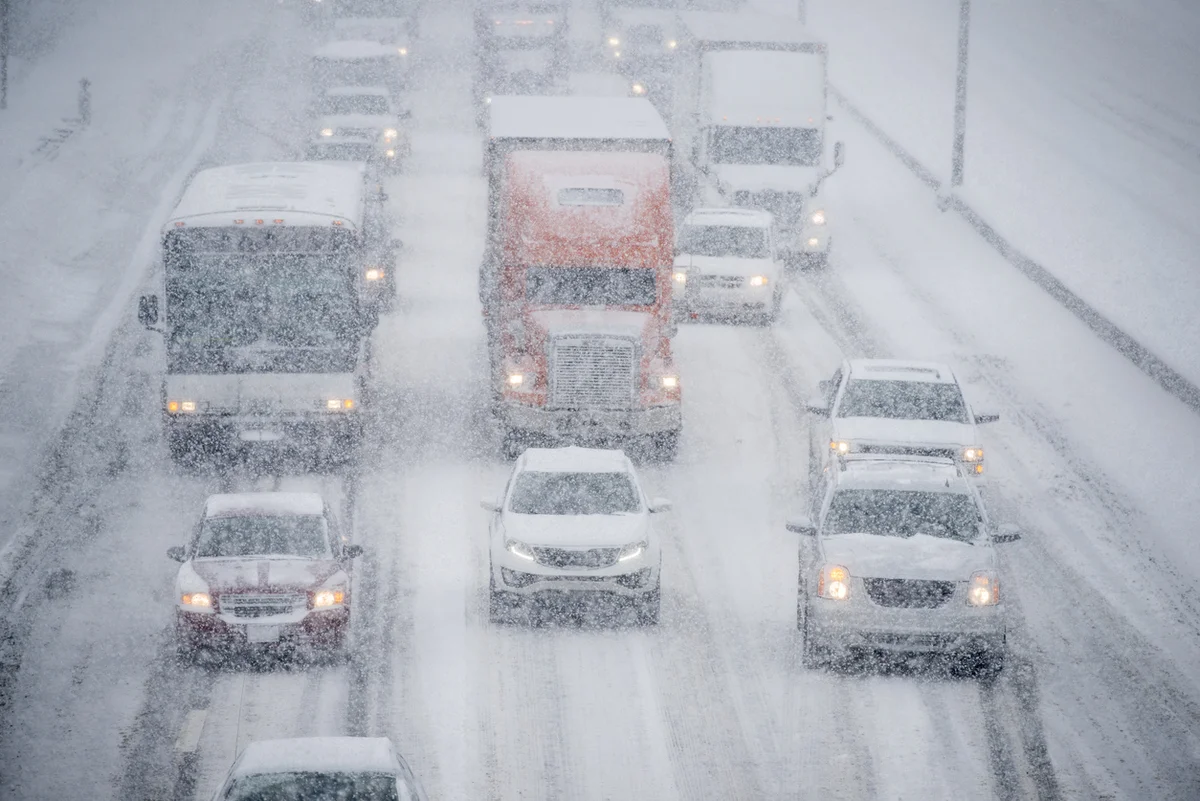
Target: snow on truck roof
[725,30]
[264,504]
[574,459]
[898,370]
[330,190]
[317,755]
[541,117]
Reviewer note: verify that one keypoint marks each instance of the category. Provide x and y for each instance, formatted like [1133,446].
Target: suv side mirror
[839,154]
[352,551]
[1006,532]
[817,405]
[801,524]
[659,505]
[178,553]
[148,310]
[986,417]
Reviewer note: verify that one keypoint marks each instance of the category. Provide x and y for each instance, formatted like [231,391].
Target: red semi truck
[578,300]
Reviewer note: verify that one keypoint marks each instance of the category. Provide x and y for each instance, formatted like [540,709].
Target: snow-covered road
[1091,458]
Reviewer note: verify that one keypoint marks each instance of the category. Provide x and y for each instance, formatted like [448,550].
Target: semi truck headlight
[326,132]
[983,590]
[516,379]
[632,551]
[323,599]
[519,549]
[337,404]
[834,582]
[818,217]
[669,381]
[759,280]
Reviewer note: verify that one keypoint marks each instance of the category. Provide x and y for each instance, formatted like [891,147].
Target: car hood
[726,265]
[615,322]
[358,121]
[263,574]
[765,177]
[918,557]
[576,531]
[914,432]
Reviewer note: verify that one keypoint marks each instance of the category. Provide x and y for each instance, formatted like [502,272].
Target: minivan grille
[261,605]
[590,559]
[595,372]
[909,593]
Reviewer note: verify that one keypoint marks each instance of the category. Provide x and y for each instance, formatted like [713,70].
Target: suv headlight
[818,217]
[339,404]
[519,549]
[201,600]
[972,453]
[839,446]
[632,551]
[184,406]
[759,280]
[328,598]
[834,582]
[326,132]
[983,590]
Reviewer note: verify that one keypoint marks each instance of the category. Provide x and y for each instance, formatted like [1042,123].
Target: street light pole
[3,54]
[960,93]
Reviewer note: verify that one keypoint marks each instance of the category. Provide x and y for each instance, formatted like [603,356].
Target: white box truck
[750,124]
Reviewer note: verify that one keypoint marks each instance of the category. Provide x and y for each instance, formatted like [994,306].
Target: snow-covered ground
[1083,135]
[1101,697]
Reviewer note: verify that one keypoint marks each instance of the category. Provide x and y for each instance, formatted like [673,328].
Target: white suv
[725,262]
[886,406]
[574,523]
[350,115]
[899,558]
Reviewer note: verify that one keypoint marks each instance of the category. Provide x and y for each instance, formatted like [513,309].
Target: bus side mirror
[148,310]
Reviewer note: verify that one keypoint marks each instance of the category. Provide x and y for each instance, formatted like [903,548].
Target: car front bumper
[590,424]
[325,432]
[954,627]
[692,298]
[525,578]
[325,627]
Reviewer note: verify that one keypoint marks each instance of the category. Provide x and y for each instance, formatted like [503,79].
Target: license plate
[262,633]
[255,435]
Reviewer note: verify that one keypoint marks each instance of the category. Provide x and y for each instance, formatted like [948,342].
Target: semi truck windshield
[591,286]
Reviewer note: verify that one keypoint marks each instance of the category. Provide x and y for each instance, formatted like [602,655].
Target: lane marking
[189,733]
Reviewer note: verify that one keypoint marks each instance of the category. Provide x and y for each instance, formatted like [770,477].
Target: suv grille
[363,133]
[593,373]
[909,450]
[909,593]
[261,605]
[591,559]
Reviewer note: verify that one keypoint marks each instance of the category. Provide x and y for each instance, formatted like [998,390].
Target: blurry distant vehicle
[320,768]
[353,112]
[725,263]
[750,124]
[394,31]
[574,524]
[887,406]
[521,49]
[268,569]
[898,558]
[524,24]
[642,39]
[358,62]
[265,319]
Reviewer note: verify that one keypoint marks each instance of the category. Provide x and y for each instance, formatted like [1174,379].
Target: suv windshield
[539,493]
[354,104]
[591,286]
[794,147]
[903,513]
[314,787]
[261,535]
[903,400]
[724,240]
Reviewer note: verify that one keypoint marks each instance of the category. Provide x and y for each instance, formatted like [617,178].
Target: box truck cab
[751,117]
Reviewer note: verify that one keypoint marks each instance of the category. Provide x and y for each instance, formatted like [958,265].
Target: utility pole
[960,93]
[3,54]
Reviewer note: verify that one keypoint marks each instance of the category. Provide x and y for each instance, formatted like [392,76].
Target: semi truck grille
[590,559]
[909,593]
[261,605]
[595,373]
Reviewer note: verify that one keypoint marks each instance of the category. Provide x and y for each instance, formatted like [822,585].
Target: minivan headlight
[519,549]
[983,590]
[632,551]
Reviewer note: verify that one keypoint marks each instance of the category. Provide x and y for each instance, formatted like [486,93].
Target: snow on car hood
[764,177]
[358,121]
[556,322]
[918,557]
[226,575]
[909,432]
[727,265]
[577,531]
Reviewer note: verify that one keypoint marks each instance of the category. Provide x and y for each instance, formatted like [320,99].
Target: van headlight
[834,582]
[327,599]
[818,217]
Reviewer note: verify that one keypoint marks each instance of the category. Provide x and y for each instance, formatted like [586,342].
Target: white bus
[263,314]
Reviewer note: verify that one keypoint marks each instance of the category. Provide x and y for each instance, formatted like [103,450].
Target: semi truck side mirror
[839,154]
[148,310]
